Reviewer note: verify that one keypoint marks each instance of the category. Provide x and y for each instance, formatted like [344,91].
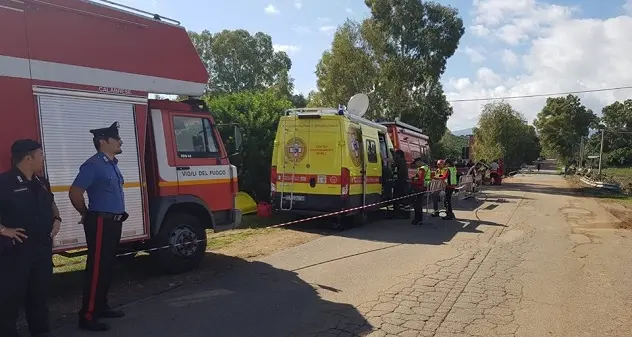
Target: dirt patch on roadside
[621,212]
[619,205]
[259,246]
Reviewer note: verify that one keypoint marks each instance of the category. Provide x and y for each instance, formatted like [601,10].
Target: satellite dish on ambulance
[358,105]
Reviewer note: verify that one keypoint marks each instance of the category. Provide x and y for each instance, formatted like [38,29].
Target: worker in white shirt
[493,172]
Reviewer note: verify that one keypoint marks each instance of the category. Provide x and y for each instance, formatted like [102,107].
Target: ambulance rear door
[324,159]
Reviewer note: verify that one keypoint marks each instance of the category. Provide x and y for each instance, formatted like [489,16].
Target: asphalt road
[532,260]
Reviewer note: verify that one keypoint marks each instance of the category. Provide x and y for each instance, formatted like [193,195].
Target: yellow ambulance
[326,160]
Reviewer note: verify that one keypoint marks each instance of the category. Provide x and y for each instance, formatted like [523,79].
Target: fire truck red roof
[87,43]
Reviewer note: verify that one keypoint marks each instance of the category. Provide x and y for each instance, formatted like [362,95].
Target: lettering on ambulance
[354,145]
[321,150]
[324,179]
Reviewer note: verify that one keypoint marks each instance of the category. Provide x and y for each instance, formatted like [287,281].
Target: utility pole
[601,149]
[581,151]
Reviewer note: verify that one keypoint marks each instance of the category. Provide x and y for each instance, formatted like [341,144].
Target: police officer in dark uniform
[102,221]
[29,219]
[401,184]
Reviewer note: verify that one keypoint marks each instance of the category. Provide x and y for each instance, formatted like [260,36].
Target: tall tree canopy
[250,86]
[450,146]
[397,56]
[562,123]
[503,133]
[257,115]
[238,61]
[617,145]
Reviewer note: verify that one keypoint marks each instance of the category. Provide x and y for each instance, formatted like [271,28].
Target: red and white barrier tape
[291,222]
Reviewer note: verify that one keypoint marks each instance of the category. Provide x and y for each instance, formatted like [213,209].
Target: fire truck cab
[68,66]
[411,140]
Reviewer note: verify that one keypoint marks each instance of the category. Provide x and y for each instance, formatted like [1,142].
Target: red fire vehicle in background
[68,66]
[411,140]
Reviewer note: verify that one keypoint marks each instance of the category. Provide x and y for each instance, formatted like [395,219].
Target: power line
[538,95]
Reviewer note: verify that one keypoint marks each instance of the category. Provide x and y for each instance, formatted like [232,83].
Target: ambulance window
[194,137]
[383,147]
[371,151]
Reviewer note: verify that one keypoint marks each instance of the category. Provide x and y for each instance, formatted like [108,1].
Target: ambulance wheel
[360,219]
[186,236]
[339,223]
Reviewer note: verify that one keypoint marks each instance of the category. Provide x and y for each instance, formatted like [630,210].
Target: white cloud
[515,21]
[323,19]
[509,58]
[475,55]
[298,4]
[327,29]
[350,11]
[270,9]
[479,30]
[628,6]
[563,53]
[288,48]
[301,29]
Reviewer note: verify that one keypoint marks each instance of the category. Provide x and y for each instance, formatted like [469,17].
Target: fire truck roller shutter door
[64,123]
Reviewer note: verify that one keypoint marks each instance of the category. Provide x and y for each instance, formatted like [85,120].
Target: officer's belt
[112,216]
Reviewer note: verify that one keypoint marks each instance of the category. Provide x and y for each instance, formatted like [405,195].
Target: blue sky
[502,53]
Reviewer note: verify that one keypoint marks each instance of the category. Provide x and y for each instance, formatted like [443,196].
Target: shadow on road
[254,299]
[533,187]
[434,232]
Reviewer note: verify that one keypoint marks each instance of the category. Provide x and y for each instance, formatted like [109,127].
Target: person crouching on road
[421,182]
[102,223]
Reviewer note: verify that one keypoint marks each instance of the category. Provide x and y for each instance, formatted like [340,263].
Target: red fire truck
[68,66]
[409,139]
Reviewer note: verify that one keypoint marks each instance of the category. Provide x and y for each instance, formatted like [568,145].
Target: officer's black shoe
[93,325]
[435,214]
[111,313]
[449,217]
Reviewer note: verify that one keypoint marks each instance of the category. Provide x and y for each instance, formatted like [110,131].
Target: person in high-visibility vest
[449,175]
[439,172]
[420,183]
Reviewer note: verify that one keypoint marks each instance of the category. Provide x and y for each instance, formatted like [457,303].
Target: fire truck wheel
[186,236]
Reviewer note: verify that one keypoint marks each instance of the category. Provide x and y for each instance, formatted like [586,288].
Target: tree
[397,57]
[617,118]
[450,146]
[238,61]
[503,133]
[257,114]
[562,123]
[346,69]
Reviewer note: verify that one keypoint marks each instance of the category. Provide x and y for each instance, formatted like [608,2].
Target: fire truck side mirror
[238,138]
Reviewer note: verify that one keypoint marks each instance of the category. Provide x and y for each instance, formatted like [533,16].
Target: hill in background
[463,132]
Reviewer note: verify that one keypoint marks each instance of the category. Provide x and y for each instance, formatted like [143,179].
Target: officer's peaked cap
[23,146]
[109,132]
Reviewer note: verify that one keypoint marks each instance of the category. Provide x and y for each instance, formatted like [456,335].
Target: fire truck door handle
[183,168]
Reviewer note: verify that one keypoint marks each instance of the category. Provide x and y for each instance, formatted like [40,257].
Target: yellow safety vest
[452,179]
[426,174]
